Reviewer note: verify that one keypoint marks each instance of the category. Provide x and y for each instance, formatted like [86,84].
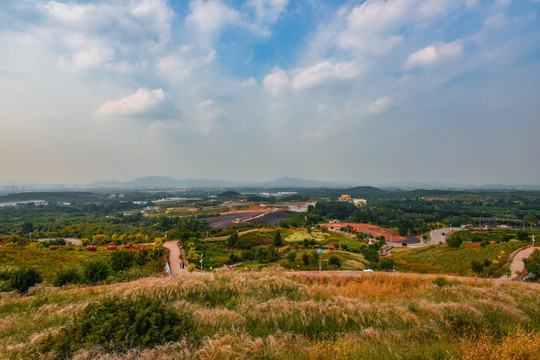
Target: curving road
[439,235]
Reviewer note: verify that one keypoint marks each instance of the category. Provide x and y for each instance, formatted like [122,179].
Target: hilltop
[273,314]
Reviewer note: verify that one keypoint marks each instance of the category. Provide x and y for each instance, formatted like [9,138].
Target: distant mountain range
[170,182]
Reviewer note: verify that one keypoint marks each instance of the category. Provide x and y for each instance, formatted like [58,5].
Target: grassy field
[441,259]
[274,315]
[49,262]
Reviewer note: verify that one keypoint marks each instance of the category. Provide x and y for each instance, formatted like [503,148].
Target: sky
[368,92]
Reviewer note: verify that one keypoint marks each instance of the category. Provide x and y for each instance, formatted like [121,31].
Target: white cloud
[209,17]
[374,27]
[276,81]
[324,71]
[181,64]
[379,105]
[268,11]
[85,53]
[95,34]
[144,103]
[495,20]
[435,54]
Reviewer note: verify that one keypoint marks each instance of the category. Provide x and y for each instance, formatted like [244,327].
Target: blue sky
[359,91]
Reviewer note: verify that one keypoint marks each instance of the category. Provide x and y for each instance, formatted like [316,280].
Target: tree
[24,279]
[532,264]
[313,258]
[455,240]
[530,219]
[27,227]
[277,239]
[192,255]
[522,236]
[100,239]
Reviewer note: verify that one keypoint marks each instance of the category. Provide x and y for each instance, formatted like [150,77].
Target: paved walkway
[517,263]
[174,257]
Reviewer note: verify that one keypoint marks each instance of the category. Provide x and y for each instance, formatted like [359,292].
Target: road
[517,263]
[174,258]
[439,235]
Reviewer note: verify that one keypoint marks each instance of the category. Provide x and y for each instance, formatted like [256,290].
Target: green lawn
[441,259]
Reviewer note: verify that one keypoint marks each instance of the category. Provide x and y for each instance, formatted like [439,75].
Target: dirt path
[517,263]
[174,258]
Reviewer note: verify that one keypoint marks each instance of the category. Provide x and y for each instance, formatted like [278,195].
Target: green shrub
[67,276]
[119,324]
[440,281]
[142,257]
[477,266]
[23,279]
[277,239]
[334,261]
[386,264]
[96,271]
[191,267]
[121,260]
[291,256]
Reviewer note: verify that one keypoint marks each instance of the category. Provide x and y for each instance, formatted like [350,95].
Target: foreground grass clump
[115,323]
[275,315]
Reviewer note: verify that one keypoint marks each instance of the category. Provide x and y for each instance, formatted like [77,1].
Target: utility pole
[201,260]
[30,236]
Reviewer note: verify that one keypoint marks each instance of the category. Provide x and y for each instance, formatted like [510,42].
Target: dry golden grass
[282,315]
[522,345]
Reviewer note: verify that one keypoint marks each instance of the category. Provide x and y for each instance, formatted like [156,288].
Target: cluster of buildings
[349,198]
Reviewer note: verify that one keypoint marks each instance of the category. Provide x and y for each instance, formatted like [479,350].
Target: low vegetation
[275,315]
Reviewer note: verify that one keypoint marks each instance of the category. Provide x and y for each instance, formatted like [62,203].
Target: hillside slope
[278,315]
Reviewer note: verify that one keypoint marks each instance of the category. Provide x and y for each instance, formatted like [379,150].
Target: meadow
[279,315]
[442,259]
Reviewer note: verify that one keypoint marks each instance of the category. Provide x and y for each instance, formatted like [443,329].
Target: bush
[305,259]
[532,264]
[440,281]
[120,324]
[24,279]
[232,241]
[386,264]
[291,256]
[277,239]
[334,261]
[234,258]
[477,266]
[121,260]
[191,267]
[67,276]
[455,241]
[142,257]
[96,271]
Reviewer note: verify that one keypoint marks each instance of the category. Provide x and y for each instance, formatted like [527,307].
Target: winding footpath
[517,263]
[174,258]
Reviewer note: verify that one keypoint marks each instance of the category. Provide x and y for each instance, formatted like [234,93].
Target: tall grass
[277,315]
